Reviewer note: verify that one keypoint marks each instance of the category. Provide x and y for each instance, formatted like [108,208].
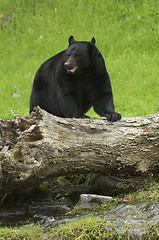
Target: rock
[100,184]
[16,95]
[5,19]
[92,200]
[138,219]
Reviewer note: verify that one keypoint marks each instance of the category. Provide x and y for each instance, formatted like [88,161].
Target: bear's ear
[71,40]
[93,41]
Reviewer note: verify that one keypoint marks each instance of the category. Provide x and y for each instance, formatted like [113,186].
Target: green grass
[84,229]
[126,33]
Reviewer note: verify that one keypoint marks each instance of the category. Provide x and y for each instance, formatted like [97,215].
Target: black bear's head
[78,56]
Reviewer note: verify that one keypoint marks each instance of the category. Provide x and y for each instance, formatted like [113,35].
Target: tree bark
[34,148]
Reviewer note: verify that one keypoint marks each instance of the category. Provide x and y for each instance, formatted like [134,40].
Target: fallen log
[40,146]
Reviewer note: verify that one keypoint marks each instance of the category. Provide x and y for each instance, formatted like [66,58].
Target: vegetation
[85,228]
[126,33]
[93,227]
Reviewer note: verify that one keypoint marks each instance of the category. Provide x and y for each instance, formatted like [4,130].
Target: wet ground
[45,212]
[49,213]
[136,218]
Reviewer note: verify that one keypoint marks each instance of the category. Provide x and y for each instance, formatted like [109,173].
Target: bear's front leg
[105,108]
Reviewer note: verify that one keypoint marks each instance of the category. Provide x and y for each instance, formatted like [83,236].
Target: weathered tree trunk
[42,145]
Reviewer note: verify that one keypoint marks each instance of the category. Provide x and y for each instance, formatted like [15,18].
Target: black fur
[72,81]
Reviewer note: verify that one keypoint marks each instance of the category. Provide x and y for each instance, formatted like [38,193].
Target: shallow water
[50,213]
[44,212]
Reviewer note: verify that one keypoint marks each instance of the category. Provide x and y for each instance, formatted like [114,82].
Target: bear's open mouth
[72,70]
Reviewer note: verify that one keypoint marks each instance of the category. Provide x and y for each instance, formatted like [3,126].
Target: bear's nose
[68,65]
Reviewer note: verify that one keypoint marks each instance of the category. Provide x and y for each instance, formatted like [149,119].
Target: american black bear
[72,81]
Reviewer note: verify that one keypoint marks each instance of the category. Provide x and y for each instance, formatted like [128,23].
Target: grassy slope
[126,33]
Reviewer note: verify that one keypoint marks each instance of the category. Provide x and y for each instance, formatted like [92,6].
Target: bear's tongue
[73,69]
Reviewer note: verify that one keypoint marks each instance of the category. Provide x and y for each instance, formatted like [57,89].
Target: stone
[93,200]
[16,95]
